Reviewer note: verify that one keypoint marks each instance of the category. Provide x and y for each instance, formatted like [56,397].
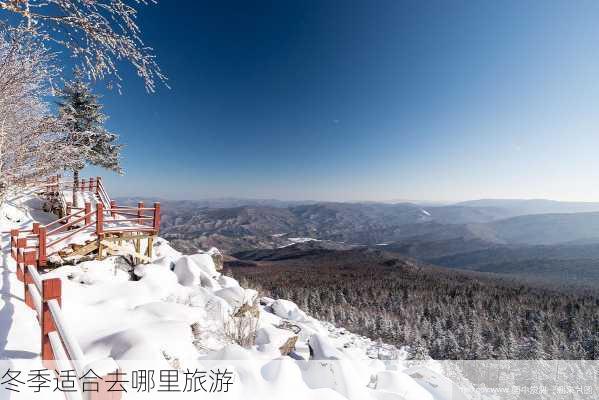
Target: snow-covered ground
[180,313]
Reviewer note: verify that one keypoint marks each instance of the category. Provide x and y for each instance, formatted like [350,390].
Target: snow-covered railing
[108,219]
[60,350]
[102,194]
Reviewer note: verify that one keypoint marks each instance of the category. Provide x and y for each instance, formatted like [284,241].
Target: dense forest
[440,313]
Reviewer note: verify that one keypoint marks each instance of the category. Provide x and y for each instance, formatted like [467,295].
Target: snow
[302,239]
[323,349]
[205,263]
[394,384]
[189,273]
[288,310]
[236,296]
[172,312]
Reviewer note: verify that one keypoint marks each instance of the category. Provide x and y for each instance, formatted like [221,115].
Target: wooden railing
[107,218]
[30,248]
[60,351]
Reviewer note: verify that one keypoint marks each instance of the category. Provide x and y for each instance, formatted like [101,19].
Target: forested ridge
[445,314]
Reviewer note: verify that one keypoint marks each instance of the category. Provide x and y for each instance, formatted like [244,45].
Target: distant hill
[225,202]
[517,207]
[193,225]
[547,228]
[564,263]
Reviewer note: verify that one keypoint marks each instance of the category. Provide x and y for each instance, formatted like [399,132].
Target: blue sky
[365,100]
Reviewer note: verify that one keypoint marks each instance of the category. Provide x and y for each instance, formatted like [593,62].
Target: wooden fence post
[87,211]
[140,212]
[29,259]
[14,234]
[51,290]
[113,208]
[99,219]
[82,185]
[98,183]
[21,244]
[156,218]
[91,185]
[69,211]
[100,228]
[41,258]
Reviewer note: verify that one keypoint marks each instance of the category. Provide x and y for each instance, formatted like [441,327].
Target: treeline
[444,314]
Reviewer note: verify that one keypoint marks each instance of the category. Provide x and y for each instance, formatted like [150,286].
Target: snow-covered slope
[180,313]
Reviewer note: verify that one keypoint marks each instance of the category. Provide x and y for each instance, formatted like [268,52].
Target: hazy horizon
[368,100]
[423,202]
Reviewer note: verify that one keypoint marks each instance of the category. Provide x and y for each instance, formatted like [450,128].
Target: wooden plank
[124,250]
[150,246]
[83,250]
[126,237]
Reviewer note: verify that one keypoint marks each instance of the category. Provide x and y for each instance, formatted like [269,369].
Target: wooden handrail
[126,214]
[71,345]
[100,191]
[120,208]
[71,223]
[35,277]
[129,219]
[63,364]
[145,228]
[71,233]
[65,218]
[60,350]
[145,219]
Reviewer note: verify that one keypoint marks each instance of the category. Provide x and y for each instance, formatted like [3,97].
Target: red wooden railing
[31,248]
[107,218]
[60,351]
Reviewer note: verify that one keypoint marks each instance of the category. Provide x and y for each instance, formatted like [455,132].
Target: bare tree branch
[99,33]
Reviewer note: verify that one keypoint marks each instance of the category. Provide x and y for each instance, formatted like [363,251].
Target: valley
[486,236]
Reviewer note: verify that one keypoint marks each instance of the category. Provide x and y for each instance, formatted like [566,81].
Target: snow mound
[236,296]
[400,385]
[288,310]
[196,271]
[322,349]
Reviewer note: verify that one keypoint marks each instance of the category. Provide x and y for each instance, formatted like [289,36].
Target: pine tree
[418,351]
[85,124]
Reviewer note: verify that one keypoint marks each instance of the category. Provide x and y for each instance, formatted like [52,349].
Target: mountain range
[559,240]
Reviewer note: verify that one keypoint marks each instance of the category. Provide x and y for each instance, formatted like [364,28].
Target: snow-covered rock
[196,270]
[270,338]
[236,296]
[288,310]
[322,349]
[217,258]
[227,281]
[205,262]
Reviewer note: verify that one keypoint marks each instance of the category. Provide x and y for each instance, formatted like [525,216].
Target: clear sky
[365,100]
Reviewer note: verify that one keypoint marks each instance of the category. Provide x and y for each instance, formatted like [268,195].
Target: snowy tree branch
[99,33]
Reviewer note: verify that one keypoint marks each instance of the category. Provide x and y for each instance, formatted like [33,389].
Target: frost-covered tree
[97,33]
[84,119]
[32,140]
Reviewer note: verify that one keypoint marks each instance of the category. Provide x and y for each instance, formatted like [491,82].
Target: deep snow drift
[179,312]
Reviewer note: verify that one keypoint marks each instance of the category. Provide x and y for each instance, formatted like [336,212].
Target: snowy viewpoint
[178,328]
